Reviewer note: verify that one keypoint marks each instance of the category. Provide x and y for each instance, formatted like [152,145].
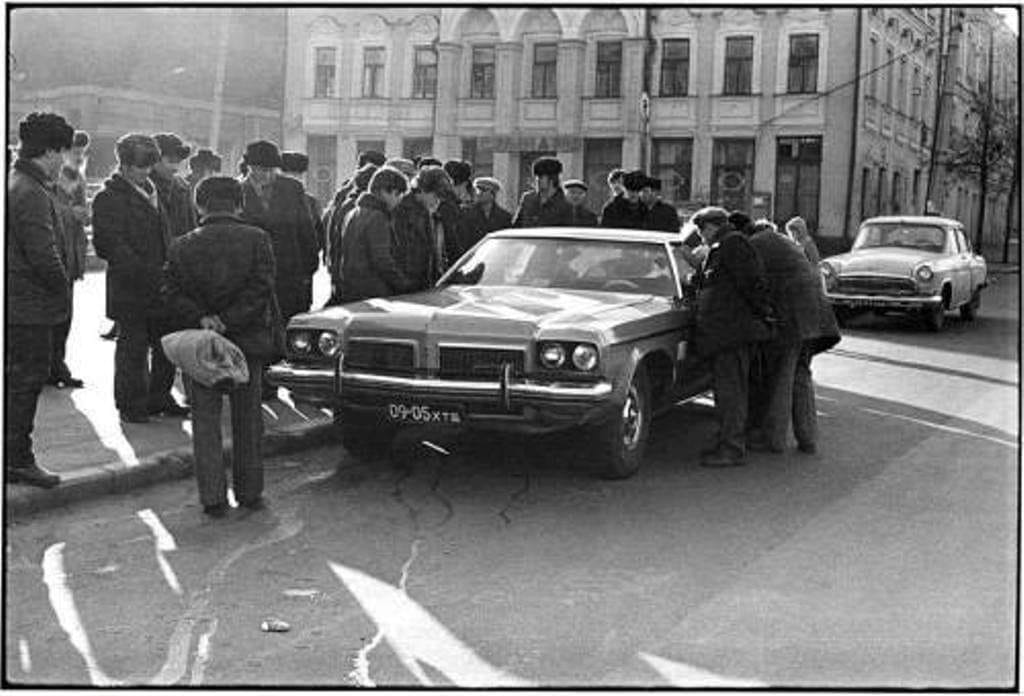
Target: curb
[95,481]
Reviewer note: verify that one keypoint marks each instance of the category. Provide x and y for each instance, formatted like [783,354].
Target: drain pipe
[851,177]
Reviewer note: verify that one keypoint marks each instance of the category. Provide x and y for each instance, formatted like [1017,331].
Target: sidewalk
[78,433]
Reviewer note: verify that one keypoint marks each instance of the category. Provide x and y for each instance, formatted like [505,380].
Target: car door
[692,374]
[975,265]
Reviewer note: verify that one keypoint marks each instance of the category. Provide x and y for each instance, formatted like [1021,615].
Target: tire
[362,437]
[935,317]
[621,441]
[969,310]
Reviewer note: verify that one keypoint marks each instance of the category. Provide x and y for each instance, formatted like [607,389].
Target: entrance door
[322,175]
[732,179]
[600,156]
[798,180]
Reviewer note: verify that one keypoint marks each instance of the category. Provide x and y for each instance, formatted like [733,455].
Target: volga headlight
[924,273]
[584,357]
[552,355]
[328,343]
[300,341]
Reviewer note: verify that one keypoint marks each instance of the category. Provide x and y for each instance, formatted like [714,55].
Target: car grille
[380,356]
[479,363]
[876,285]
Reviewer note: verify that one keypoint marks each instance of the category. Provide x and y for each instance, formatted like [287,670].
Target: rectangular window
[672,163]
[482,160]
[901,87]
[889,76]
[732,174]
[482,75]
[873,77]
[895,197]
[675,67]
[879,188]
[915,191]
[600,156]
[803,64]
[373,72]
[323,157]
[865,186]
[366,145]
[798,178]
[417,147]
[424,74]
[545,71]
[609,70]
[323,78]
[915,95]
[739,64]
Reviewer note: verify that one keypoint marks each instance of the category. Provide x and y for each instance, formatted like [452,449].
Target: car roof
[600,234]
[913,220]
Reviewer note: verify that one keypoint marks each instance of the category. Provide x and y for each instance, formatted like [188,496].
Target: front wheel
[935,317]
[969,311]
[620,442]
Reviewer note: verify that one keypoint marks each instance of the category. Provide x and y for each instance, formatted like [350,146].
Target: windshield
[924,237]
[568,264]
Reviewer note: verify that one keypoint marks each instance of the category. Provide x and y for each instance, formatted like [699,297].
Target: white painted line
[686,676]
[202,654]
[286,399]
[164,540]
[419,638]
[270,411]
[310,594]
[63,603]
[232,501]
[24,656]
[105,422]
[946,428]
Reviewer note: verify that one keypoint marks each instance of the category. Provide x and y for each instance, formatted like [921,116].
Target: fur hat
[363,176]
[204,159]
[432,180]
[262,153]
[403,165]
[741,222]
[294,162]
[137,150]
[459,171]
[547,166]
[634,180]
[170,145]
[221,188]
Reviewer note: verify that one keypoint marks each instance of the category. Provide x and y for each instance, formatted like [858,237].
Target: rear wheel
[969,311]
[620,442]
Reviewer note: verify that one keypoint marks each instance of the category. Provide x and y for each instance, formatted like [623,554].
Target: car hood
[882,261]
[499,313]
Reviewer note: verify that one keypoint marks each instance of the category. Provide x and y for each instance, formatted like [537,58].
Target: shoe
[52,382]
[133,417]
[764,446]
[69,382]
[218,510]
[720,460]
[172,409]
[255,504]
[110,335]
[807,447]
[33,475]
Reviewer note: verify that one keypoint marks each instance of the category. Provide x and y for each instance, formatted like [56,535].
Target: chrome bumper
[443,388]
[314,382]
[894,301]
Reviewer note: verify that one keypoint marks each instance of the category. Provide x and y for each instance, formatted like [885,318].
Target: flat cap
[170,145]
[634,180]
[204,159]
[487,182]
[711,213]
[578,183]
[547,166]
[262,153]
[294,162]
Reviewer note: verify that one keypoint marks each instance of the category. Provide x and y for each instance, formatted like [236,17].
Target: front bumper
[313,383]
[894,302]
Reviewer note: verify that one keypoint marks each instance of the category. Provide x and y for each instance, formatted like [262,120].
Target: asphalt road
[887,560]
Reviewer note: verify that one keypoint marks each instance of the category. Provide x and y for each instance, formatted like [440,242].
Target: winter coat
[448,216]
[555,212]
[793,286]
[336,227]
[475,225]
[318,224]
[661,217]
[225,267]
[285,216]
[36,287]
[368,268]
[412,243]
[177,200]
[732,298]
[581,217]
[132,237]
[73,243]
[828,328]
[620,213]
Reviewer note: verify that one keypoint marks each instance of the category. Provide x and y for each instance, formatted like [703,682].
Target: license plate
[423,414]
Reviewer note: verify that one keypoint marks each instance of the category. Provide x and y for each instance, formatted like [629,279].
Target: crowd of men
[237,254]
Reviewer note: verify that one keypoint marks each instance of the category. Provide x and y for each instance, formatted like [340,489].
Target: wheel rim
[632,419]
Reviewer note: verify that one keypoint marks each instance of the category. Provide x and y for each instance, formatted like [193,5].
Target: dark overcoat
[662,217]
[732,298]
[368,268]
[176,197]
[412,243]
[226,268]
[476,224]
[620,213]
[581,217]
[285,216]
[793,285]
[449,215]
[36,284]
[533,212]
[132,236]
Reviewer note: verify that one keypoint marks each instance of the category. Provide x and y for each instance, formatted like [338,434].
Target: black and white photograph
[519,347]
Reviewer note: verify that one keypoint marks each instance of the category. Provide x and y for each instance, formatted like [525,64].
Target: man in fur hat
[626,212]
[545,205]
[174,191]
[294,166]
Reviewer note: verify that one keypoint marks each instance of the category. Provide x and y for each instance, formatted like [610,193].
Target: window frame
[546,71]
[802,70]
[329,91]
[738,75]
[482,74]
[677,69]
[608,73]
[375,72]
[423,86]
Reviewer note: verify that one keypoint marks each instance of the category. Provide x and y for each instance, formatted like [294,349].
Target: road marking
[24,656]
[105,423]
[63,603]
[686,676]
[417,637]
[164,543]
[266,409]
[202,654]
[286,399]
[946,428]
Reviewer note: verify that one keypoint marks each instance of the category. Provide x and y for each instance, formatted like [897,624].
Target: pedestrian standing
[613,204]
[221,277]
[294,165]
[658,215]
[36,287]
[421,244]
[360,184]
[793,289]
[201,165]
[461,174]
[448,215]
[545,205]
[576,194]
[131,233]
[484,216]
[796,228]
[627,213]
[171,187]
[73,244]
[732,316]
[368,267]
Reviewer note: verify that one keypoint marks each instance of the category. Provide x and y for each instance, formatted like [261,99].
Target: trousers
[143,375]
[731,374]
[778,361]
[58,366]
[26,367]
[805,409]
[246,439]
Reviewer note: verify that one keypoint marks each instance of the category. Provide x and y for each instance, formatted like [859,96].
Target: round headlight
[300,341]
[924,273]
[584,357]
[328,343]
[552,355]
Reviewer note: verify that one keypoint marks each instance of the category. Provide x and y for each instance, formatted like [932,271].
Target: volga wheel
[969,311]
[620,442]
[935,317]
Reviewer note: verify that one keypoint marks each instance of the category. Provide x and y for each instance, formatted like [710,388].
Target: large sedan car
[531,331]
[920,265]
